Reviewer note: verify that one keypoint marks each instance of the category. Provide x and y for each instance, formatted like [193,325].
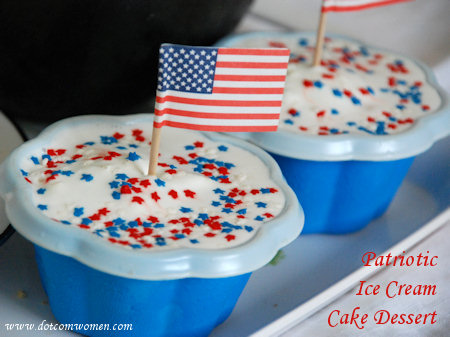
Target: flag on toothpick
[343,6]
[354,5]
[219,89]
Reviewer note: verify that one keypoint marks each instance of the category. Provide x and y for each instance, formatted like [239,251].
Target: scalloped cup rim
[411,142]
[146,265]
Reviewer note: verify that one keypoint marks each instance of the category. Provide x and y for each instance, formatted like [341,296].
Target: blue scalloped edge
[415,140]
[145,265]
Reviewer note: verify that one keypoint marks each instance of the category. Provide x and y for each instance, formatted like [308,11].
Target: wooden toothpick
[154,151]
[320,39]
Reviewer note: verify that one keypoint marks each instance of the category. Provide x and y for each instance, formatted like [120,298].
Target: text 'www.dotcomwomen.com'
[79,327]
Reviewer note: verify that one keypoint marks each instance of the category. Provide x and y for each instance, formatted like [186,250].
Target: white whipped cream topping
[357,89]
[176,210]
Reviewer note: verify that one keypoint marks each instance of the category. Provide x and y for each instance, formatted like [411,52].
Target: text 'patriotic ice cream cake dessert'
[169,253]
[349,128]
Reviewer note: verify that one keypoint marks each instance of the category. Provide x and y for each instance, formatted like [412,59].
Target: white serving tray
[311,264]
[314,264]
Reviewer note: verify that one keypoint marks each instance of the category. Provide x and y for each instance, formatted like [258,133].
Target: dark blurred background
[66,57]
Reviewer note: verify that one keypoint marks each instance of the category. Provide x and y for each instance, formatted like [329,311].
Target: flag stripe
[221,97]
[255,91]
[225,122]
[230,102]
[258,78]
[217,128]
[250,71]
[246,84]
[258,65]
[215,115]
[219,109]
[242,51]
[251,58]
[355,5]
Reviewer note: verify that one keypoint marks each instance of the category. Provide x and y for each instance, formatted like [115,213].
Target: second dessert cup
[345,179]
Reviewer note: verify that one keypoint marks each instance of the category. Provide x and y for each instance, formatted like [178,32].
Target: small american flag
[354,5]
[220,89]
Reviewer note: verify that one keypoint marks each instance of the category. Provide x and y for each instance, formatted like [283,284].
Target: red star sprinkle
[95,217]
[321,113]
[109,223]
[173,194]
[308,83]
[189,224]
[139,200]
[180,160]
[48,179]
[223,170]
[155,196]
[230,237]
[153,219]
[189,193]
[145,183]
[125,189]
[276,44]
[186,231]
[198,144]
[171,171]
[364,91]
[140,139]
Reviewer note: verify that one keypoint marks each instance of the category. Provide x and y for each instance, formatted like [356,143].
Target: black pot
[66,57]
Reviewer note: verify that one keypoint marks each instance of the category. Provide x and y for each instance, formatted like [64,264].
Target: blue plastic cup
[343,196]
[81,296]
